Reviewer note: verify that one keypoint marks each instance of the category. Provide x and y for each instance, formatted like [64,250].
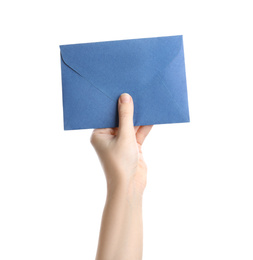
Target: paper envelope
[151,70]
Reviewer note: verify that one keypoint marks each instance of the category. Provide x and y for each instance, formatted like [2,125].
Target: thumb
[126,111]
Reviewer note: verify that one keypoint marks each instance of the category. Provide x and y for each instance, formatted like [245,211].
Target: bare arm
[121,227]
[119,151]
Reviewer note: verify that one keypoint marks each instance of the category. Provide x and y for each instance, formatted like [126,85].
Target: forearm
[121,232]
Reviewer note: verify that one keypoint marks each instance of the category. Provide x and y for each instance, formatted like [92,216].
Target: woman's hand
[119,150]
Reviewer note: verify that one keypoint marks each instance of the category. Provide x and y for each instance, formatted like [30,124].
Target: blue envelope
[151,70]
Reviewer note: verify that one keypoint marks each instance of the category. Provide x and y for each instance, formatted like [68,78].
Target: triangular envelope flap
[121,66]
[84,106]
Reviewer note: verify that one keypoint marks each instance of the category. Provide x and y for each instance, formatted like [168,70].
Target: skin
[120,154]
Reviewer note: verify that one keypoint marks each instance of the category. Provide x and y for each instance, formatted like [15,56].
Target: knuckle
[92,139]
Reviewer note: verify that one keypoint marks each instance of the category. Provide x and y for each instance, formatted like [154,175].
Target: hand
[119,150]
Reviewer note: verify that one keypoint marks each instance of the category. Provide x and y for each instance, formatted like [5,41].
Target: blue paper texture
[151,70]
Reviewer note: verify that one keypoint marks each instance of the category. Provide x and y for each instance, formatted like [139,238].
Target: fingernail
[125,98]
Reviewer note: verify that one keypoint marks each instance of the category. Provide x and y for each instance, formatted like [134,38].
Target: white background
[198,203]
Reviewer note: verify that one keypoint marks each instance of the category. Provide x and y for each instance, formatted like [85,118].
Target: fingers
[103,131]
[126,111]
[142,133]
[136,128]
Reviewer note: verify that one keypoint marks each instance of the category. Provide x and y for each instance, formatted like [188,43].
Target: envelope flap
[133,63]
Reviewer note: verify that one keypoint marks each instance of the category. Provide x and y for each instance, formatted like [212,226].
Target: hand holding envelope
[151,70]
[120,149]
[94,75]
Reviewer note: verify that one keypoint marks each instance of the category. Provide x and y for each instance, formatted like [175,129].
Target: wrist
[126,192]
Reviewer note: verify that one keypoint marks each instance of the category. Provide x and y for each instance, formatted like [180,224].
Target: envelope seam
[162,81]
[85,78]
